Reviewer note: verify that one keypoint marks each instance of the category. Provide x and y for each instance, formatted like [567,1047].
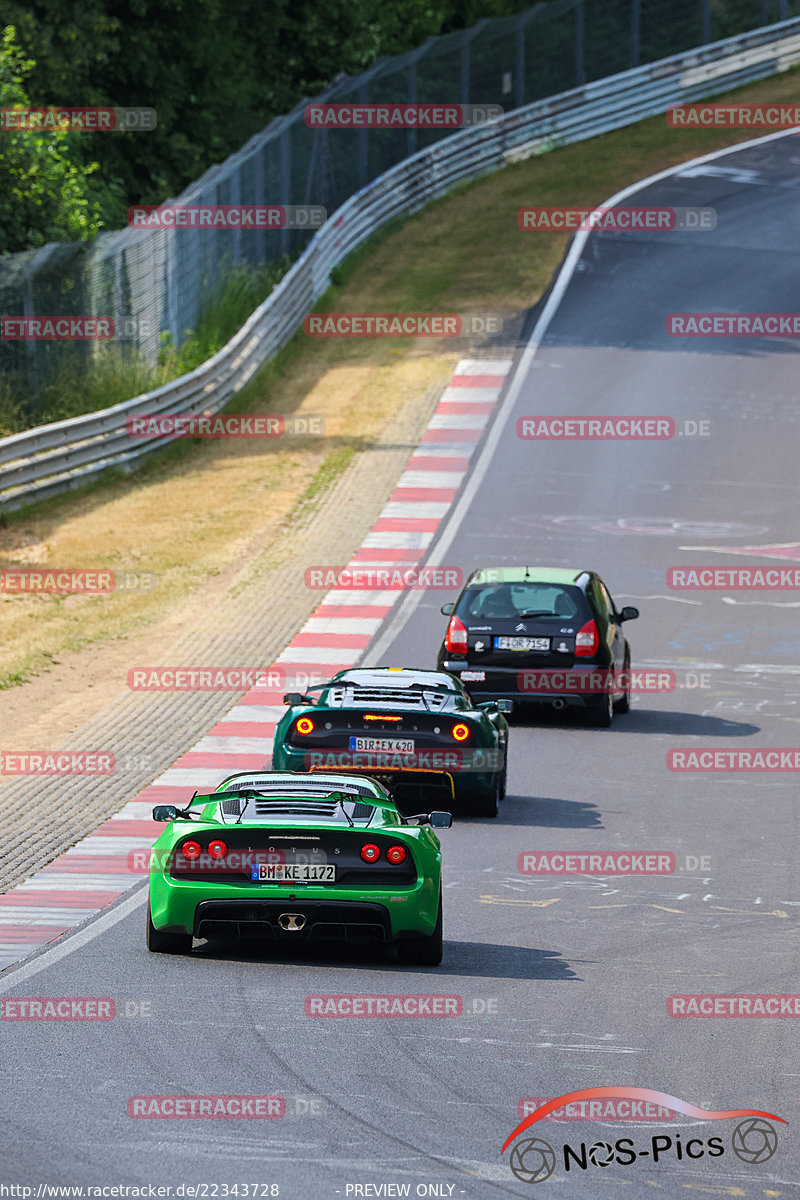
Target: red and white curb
[105,864]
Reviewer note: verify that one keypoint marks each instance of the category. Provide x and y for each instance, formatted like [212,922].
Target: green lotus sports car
[417,731]
[297,858]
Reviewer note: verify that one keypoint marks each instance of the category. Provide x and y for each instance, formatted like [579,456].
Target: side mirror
[629,613]
[165,812]
[505,706]
[293,698]
[446,609]
[440,820]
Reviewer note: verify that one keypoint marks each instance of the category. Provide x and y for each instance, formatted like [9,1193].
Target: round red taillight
[305,725]
[191,849]
[370,853]
[217,848]
[396,854]
[460,732]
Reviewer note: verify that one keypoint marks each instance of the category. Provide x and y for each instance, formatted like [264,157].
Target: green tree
[45,195]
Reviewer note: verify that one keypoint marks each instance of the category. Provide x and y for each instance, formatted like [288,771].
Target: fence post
[363,143]
[580,64]
[286,181]
[31,347]
[411,138]
[705,35]
[466,50]
[636,32]
[519,85]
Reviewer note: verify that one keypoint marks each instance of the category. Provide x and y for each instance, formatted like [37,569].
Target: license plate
[521,643]
[398,745]
[473,676]
[293,873]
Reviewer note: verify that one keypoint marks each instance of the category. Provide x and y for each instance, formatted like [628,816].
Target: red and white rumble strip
[101,867]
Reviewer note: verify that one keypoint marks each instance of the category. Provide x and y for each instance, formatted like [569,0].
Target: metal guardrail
[52,458]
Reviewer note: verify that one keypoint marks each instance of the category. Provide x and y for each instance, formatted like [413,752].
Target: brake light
[305,725]
[370,853]
[191,850]
[455,639]
[378,717]
[217,848]
[460,732]
[396,854]
[587,641]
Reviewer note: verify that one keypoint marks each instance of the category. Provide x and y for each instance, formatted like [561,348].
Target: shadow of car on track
[681,724]
[550,811]
[638,720]
[493,960]
[479,959]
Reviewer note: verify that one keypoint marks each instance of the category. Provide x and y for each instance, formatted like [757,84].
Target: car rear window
[510,601]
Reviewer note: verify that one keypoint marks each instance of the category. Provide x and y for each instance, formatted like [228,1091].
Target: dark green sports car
[417,731]
[297,858]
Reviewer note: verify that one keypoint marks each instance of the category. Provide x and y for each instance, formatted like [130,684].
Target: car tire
[601,712]
[624,705]
[487,804]
[426,951]
[162,942]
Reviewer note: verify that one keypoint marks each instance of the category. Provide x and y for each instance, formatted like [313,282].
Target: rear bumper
[293,921]
[254,909]
[577,686]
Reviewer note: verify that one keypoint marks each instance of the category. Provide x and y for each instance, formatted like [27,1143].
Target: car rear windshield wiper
[538,613]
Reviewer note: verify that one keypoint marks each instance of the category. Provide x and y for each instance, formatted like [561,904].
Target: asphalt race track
[563,980]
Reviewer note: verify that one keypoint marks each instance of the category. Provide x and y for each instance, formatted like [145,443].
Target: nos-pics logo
[754,1140]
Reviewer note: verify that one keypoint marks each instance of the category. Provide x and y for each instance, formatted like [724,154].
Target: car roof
[567,576]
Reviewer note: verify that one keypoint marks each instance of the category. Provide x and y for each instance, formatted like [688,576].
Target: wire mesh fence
[153,282]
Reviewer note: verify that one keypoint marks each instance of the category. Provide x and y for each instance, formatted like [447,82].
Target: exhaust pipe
[291,922]
[559,703]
